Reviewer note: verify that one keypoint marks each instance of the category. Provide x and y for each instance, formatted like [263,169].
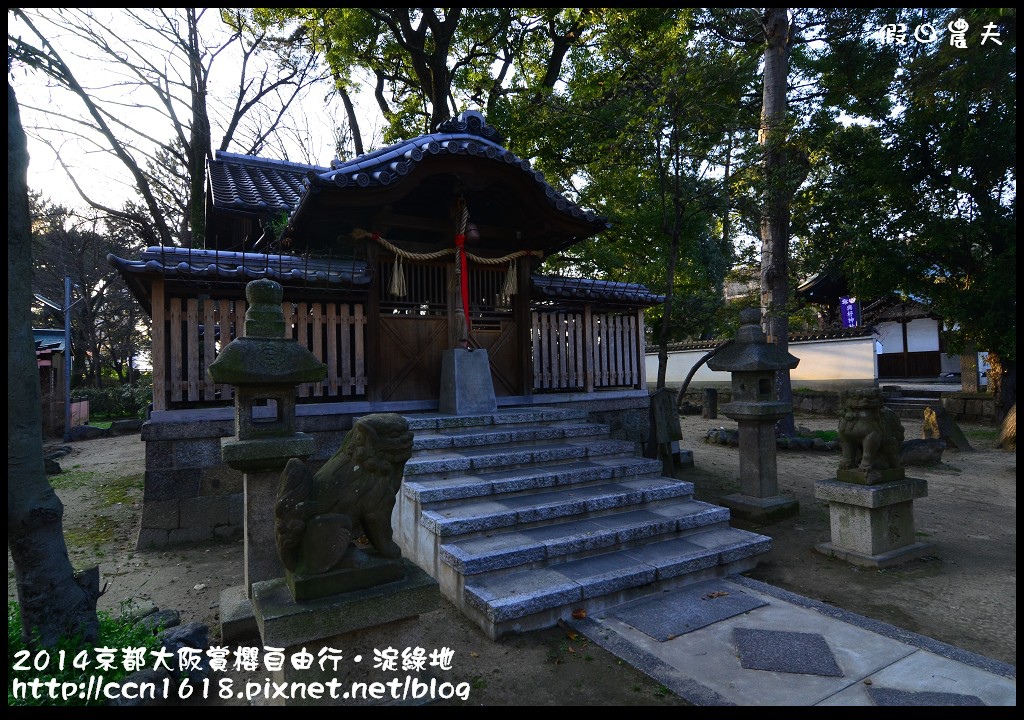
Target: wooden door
[417,326]
[413,330]
[494,327]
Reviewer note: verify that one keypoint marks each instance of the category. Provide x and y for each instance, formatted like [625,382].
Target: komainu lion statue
[319,516]
[869,433]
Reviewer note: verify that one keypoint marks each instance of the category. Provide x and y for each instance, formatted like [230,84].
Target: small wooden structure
[386,262]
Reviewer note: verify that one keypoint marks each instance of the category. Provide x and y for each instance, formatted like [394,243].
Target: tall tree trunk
[54,601]
[666,318]
[1002,383]
[775,213]
[199,141]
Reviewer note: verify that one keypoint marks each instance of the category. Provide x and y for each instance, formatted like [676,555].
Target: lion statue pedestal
[871,501]
[343,570]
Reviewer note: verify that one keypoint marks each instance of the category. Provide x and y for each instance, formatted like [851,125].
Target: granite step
[525,600]
[524,509]
[578,537]
[428,422]
[489,436]
[475,459]
[427,489]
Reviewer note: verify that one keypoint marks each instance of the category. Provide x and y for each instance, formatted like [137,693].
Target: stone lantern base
[872,525]
[760,509]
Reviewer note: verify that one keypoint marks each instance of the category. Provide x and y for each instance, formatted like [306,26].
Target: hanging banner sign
[849,312]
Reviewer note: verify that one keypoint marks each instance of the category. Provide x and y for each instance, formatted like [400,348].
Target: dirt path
[962,593]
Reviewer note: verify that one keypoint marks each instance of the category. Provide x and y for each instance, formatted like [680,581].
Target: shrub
[117,401]
[114,633]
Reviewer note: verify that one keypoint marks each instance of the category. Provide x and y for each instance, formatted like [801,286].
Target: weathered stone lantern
[265,367]
[756,408]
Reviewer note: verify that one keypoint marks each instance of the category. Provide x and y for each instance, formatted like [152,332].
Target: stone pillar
[759,476]
[709,410]
[259,551]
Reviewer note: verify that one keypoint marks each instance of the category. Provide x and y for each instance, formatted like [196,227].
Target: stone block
[151,538]
[160,514]
[466,385]
[220,479]
[870,496]
[954,406]
[205,512]
[159,454]
[872,525]
[126,427]
[171,484]
[198,453]
[189,535]
[237,620]
[266,453]
[372,570]
[208,423]
[761,509]
[865,476]
[228,532]
[922,452]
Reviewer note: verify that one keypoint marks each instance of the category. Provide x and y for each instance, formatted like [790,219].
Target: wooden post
[159,347]
[374,381]
[589,355]
[522,319]
[641,349]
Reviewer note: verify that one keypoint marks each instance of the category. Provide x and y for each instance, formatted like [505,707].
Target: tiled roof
[249,183]
[206,265]
[48,339]
[555,288]
[893,307]
[469,134]
[828,334]
[286,269]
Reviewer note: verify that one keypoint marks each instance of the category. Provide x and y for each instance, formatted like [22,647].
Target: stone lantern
[265,367]
[756,408]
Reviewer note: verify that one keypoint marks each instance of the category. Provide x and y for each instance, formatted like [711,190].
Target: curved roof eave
[467,137]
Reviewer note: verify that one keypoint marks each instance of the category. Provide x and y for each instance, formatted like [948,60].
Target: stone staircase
[525,515]
[911,404]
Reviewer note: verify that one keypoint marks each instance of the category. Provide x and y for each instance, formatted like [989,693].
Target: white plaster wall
[821,361]
[923,335]
[890,337]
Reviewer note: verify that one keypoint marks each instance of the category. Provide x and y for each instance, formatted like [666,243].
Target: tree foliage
[158,119]
[649,114]
[918,196]
[427,64]
[108,326]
